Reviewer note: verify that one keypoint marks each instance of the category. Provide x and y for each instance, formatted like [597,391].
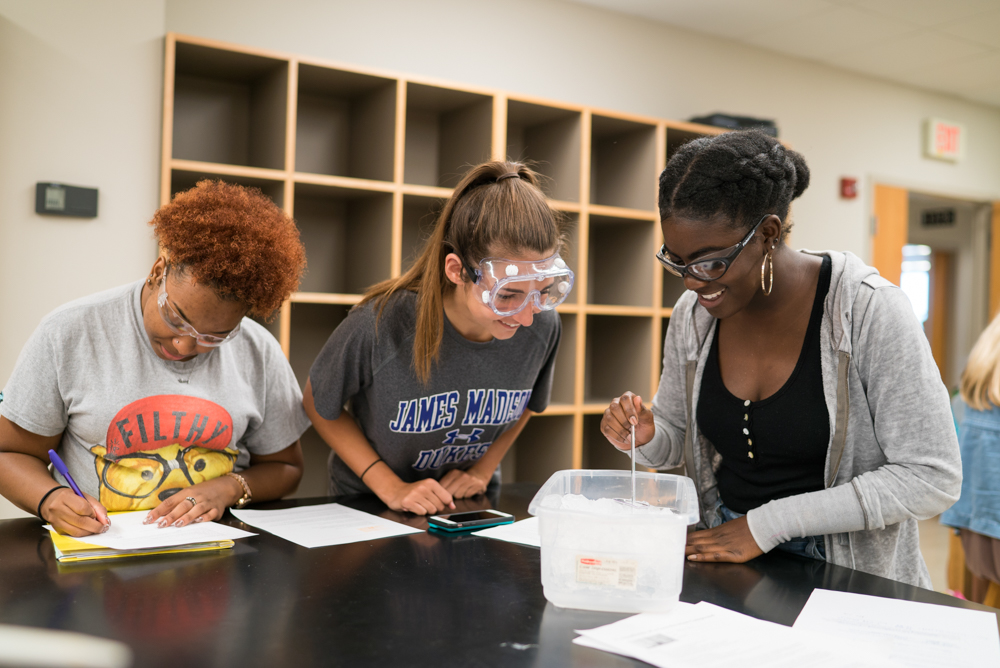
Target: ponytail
[497,207]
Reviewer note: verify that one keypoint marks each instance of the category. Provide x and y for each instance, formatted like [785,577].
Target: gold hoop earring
[769,262]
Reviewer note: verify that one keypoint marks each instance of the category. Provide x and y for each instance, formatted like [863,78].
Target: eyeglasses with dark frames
[153,470]
[709,269]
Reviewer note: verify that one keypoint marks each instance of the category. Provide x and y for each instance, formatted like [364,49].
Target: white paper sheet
[707,636]
[23,646]
[524,532]
[127,532]
[327,524]
[919,634]
[584,641]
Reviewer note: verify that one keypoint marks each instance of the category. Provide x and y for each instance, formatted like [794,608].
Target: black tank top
[776,447]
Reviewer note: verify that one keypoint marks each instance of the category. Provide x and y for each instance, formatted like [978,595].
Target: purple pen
[64,472]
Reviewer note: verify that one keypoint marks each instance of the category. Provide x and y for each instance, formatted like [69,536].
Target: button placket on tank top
[746,428]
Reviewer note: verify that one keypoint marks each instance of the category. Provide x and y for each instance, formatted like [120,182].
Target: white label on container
[617,573]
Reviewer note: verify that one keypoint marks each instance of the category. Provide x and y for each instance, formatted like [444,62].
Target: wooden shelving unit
[364,159]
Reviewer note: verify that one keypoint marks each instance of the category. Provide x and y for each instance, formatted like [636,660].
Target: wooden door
[889,235]
[938,321]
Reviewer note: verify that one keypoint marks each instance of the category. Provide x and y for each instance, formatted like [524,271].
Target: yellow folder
[68,549]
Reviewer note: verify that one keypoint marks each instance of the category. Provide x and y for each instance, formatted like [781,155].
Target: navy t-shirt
[476,390]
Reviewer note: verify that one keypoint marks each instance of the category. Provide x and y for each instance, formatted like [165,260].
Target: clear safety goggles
[507,286]
[181,327]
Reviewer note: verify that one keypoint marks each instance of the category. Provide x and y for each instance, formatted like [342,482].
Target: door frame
[889,231]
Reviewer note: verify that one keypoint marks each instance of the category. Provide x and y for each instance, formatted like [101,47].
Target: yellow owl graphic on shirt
[159,445]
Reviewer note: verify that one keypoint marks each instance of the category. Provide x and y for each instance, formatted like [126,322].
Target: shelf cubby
[571,245]
[365,165]
[419,216]
[677,138]
[673,288]
[619,271]
[544,447]
[598,453]
[564,380]
[229,107]
[348,237]
[549,139]
[617,357]
[447,131]
[312,325]
[622,163]
[181,180]
[315,478]
[345,124]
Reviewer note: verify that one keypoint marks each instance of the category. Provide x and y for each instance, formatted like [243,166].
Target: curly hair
[741,175]
[235,240]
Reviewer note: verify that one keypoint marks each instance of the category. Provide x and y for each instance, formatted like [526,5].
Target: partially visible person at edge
[443,366]
[163,394]
[798,388]
[977,513]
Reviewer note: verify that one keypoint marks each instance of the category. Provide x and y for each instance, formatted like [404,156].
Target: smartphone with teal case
[476,519]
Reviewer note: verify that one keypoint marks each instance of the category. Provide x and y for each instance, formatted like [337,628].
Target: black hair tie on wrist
[47,494]
[362,477]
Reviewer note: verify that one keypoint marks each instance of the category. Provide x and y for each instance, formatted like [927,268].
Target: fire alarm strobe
[848,188]
[59,199]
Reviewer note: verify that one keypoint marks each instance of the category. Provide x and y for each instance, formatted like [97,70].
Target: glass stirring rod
[633,465]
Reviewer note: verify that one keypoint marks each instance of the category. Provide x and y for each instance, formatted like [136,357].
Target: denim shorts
[813,547]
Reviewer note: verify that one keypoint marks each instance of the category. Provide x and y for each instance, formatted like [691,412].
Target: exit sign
[944,140]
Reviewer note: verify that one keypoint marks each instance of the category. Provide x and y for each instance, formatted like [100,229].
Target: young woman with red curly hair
[162,394]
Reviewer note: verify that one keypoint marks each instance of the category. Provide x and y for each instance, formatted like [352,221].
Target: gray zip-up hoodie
[893,455]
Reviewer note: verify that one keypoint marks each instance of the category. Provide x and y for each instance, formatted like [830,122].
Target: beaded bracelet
[47,494]
[247,494]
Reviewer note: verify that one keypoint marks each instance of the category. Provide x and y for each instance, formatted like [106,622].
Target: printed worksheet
[707,636]
[326,524]
[919,635]
[524,532]
[127,532]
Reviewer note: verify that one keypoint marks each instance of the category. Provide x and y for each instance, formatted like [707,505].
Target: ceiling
[947,46]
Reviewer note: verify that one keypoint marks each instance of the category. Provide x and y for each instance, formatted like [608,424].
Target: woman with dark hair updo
[443,366]
[162,394]
[798,388]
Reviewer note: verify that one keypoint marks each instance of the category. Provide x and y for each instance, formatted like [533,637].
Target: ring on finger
[192,500]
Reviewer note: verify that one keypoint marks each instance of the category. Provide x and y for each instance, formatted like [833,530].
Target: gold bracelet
[247,495]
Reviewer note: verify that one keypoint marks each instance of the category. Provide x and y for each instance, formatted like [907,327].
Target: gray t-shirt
[475,392]
[137,428]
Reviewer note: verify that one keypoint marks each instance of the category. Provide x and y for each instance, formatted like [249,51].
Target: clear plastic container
[629,561]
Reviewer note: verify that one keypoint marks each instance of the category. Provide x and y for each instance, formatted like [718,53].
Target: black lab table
[417,600]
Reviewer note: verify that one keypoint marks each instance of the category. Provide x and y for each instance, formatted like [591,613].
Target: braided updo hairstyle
[741,175]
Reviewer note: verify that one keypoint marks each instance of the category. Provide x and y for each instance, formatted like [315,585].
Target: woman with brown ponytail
[798,388]
[443,366]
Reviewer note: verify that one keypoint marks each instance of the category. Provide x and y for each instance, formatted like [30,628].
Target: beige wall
[844,123]
[80,102]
